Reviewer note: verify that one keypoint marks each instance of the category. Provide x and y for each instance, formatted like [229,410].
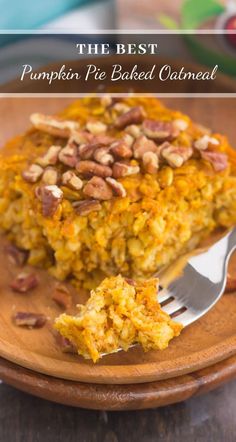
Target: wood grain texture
[118,397]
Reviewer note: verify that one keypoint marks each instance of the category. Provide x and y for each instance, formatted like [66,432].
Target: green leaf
[167,21]
[195,12]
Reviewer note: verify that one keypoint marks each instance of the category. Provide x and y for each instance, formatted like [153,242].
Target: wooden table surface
[209,418]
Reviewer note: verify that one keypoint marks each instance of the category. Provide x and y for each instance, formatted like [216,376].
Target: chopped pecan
[90,168]
[121,108]
[133,130]
[24,282]
[69,154]
[50,158]
[97,188]
[62,296]
[81,137]
[121,149]
[106,100]
[30,320]
[33,173]
[87,206]
[131,282]
[218,160]
[118,188]
[16,256]
[160,130]
[54,125]
[86,151]
[205,141]
[128,139]
[96,127]
[71,180]
[103,140]
[176,156]
[122,169]
[150,162]
[134,116]
[65,345]
[103,156]
[51,197]
[142,145]
[50,176]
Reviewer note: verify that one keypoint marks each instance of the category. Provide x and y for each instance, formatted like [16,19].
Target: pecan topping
[50,158]
[176,156]
[128,139]
[133,130]
[150,162]
[62,296]
[218,160]
[121,108]
[206,141]
[33,173]
[86,151]
[54,125]
[118,188]
[50,176]
[122,169]
[121,149]
[71,180]
[142,145]
[90,168]
[16,256]
[160,130]
[81,137]
[103,140]
[180,124]
[96,127]
[69,154]
[87,206]
[51,196]
[65,345]
[106,101]
[24,282]
[98,188]
[102,156]
[134,116]
[30,320]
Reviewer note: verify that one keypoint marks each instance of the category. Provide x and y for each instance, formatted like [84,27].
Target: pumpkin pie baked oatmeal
[118,314]
[114,187]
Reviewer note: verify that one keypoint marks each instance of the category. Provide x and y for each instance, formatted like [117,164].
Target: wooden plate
[210,340]
[118,397]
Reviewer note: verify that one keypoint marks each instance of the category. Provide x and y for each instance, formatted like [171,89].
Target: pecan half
[69,154]
[90,168]
[24,282]
[16,256]
[50,176]
[97,188]
[30,320]
[96,127]
[54,125]
[160,130]
[102,156]
[62,296]
[205,141]
[71,180]
[87,206]
[176,156]
[51,197]
[142,145]
[121,149]
[121,169]
[50,158]
[33,173]
[150,162]
[134,116]
[118,188]
[218,160]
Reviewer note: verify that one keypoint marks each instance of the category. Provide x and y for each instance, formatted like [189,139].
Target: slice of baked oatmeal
[118,314]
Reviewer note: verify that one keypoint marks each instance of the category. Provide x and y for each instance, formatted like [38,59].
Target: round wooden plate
[118,397]
[208,341]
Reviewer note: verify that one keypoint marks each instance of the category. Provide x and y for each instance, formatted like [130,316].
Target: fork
[201,282]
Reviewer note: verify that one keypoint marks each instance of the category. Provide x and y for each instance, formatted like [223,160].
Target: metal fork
[201,283]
